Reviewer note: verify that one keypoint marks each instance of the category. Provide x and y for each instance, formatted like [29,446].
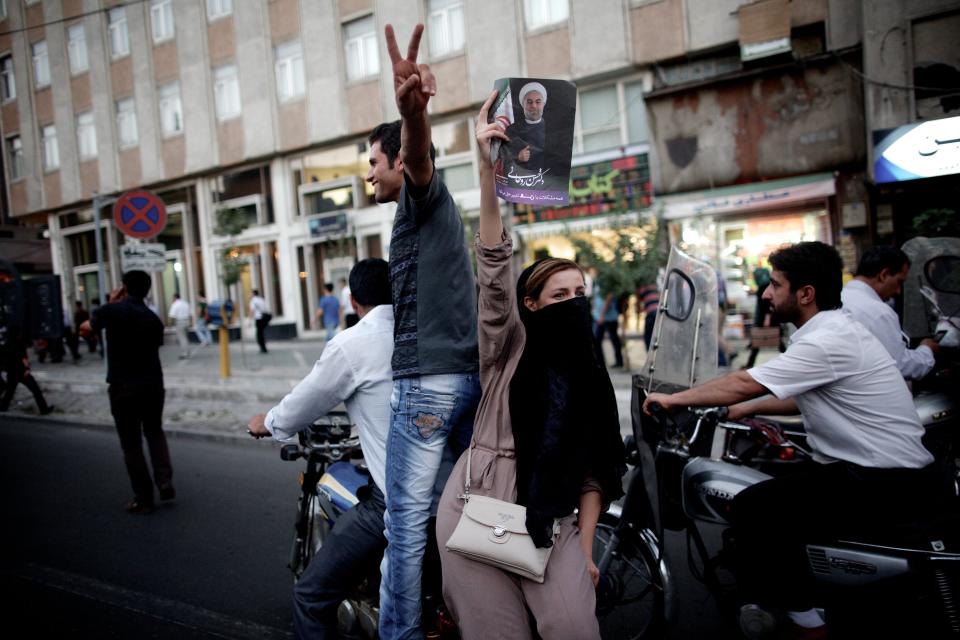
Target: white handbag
[494,532]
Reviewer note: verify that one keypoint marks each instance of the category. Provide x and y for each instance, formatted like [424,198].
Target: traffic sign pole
[98,202]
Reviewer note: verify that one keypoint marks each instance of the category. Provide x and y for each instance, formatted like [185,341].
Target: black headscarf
[564,414]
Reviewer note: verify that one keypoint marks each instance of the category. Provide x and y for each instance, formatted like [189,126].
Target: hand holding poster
[537,115]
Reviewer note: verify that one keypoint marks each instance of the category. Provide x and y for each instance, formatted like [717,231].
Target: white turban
[533,86]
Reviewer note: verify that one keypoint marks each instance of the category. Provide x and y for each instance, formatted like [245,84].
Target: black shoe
[138,507]
[167,493]
[47,410]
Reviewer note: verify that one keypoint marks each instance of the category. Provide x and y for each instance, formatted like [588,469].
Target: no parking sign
[140,214]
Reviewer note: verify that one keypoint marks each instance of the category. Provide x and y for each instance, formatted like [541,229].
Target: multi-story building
[746,119]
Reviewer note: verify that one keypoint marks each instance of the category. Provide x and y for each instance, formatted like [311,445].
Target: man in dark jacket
[134,336]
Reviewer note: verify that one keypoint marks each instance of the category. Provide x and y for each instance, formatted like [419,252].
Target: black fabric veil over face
[563,410]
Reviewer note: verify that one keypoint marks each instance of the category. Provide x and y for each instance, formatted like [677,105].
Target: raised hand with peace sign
[413,83]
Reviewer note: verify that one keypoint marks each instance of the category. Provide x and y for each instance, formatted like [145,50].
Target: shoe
[168,493]
[47,410]
[139,508]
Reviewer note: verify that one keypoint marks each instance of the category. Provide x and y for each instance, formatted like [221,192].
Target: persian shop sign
[920,150]
[599,188]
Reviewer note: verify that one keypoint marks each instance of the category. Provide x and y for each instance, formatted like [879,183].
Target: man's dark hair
[876,259]
[370,282]
[388,135]
[328,287]
[815,264]
[137,284]
[256,292]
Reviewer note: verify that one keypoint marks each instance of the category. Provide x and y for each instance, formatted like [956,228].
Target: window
[636,112]
[171,110]
[219,8]
[445,19]
[161,19]
[15,157]
[117,26]
[600,118]
[454,155]
[51,153]
[360,44]
[540,13]
[8,83]
[226,92]
[77,49]
[41,64]
[127,123]
[3,9]
[86,136]
[289,71]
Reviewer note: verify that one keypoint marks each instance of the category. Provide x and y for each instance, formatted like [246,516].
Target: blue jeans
[350,553]
[432,419]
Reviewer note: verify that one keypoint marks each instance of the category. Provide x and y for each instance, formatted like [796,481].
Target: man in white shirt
[861,425]
[880,276]
[355,369]
[261,318]
[180,314]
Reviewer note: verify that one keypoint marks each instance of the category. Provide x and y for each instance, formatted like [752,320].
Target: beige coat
[487,602]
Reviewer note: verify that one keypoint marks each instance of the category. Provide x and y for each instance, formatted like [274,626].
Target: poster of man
[537,115]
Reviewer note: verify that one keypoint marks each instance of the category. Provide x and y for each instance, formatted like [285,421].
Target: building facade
[749,121]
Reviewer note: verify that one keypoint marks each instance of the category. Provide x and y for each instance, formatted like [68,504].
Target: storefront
[736,228]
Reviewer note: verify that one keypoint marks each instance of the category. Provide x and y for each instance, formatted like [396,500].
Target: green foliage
[231,222]
[937,222]
[631,256]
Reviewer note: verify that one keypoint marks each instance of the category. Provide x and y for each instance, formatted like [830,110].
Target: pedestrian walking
[606,318]
[203,317]
[328,311]
[261,318]
[180,314]
[81,315]
[135,378]
[16,367]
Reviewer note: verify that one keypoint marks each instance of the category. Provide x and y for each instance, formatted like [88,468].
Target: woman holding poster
[546,434]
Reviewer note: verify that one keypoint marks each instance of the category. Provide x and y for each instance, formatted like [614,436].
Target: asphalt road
[212,564]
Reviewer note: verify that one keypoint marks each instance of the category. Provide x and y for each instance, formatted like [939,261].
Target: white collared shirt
[257,307]
[855,404]
[861,301]
[179,310]
[354,369]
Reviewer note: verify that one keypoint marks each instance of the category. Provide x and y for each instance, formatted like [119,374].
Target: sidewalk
[199,402]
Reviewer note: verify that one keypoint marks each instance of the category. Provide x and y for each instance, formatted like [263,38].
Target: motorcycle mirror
[289,452]
[943,273]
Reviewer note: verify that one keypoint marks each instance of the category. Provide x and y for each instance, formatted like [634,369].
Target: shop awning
[757,196]
[578,225]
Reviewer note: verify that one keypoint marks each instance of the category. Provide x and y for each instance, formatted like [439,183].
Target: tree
[625,257]
[231,223]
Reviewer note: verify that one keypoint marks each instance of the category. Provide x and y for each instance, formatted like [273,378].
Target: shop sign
[920,150]
[143,257]
[620,185]
[328,225]
[763,196]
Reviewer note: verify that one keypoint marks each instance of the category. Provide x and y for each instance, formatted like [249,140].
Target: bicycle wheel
[631,597]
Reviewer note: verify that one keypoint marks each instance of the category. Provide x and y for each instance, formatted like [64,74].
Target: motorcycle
[687,472]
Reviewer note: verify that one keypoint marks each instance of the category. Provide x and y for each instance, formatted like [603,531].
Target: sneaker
[167,493]
[138,507]
[756,622]
[47,410]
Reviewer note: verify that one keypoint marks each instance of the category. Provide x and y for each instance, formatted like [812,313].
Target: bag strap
[465,496]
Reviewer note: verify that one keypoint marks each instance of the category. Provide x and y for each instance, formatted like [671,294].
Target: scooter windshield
[928,292]
[683,351]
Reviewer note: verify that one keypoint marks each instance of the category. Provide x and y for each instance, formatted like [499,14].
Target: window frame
[444,13]
[623,116]
[14,157]
[88,130]
[37,59]
[232,89]
[74,50]
[124,115]
[48,143]
[6,74]
[118,28]
[163,9]
[163,100]
[222,13]
[307,188]
[289,70]
[549,6]
[361,41]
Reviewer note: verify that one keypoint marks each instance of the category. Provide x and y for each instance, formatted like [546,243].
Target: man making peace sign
[436,383]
